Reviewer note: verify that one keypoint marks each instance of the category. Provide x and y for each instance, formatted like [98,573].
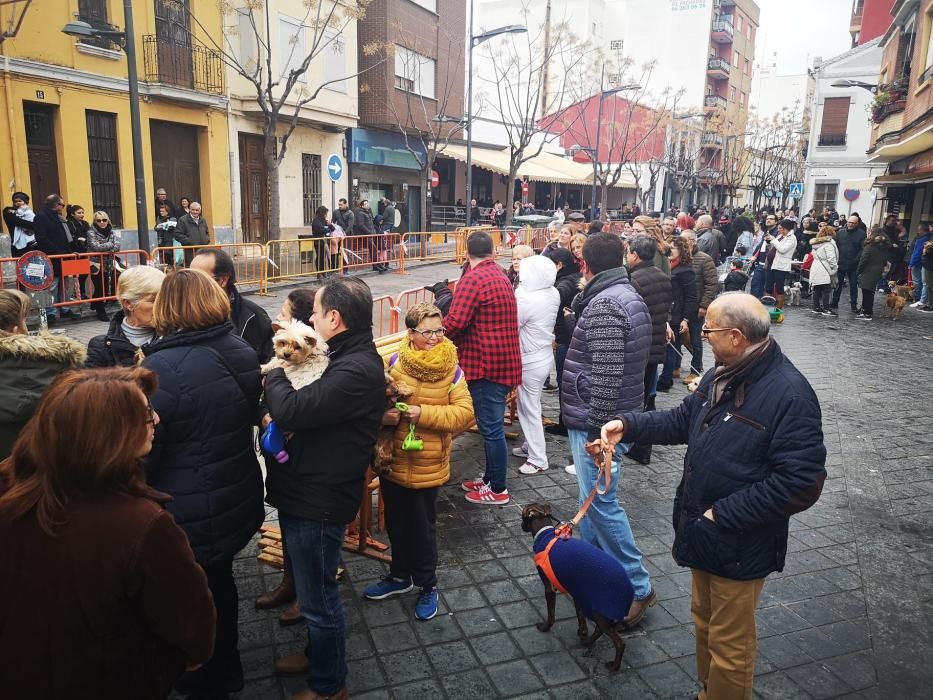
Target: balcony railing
[709,174]
[718,66]
[183,64]
[831,140]
[723,31]
[715,101]
[926,75]
[711,139]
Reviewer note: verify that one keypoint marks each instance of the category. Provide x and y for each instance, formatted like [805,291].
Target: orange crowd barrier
[291,258]
[90,277]
[385,316]
[249,259]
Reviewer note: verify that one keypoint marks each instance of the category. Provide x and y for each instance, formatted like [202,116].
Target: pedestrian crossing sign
[796,190]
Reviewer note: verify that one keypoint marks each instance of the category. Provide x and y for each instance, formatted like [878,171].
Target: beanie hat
[21,195]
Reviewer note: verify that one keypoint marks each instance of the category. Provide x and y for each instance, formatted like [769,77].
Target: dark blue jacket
[755,458]
[916,257]
[49,229]
[203,452]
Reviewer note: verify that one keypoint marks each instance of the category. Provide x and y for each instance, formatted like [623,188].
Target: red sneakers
[473,484]
[485,496]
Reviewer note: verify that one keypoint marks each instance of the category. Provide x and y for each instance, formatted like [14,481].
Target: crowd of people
[179,373]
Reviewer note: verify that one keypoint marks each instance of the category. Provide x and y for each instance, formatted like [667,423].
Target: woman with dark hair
[871,269]
[322,228]
[203,454]
[649,226]
[74,220]
[28,364]
[100,239]
[184,203]
[684,307]
[103,595]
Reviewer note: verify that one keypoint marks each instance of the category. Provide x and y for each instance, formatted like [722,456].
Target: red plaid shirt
[483,323]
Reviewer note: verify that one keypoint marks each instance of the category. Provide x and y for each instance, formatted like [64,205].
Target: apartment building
[870,19]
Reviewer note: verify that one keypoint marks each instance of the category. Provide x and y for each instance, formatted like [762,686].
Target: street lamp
[474,42]
[856,83]
[127,39]
[599,119]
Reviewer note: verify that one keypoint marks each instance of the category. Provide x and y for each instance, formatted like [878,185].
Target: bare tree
[526,71]
[428,123]
[776,155]
[282,91]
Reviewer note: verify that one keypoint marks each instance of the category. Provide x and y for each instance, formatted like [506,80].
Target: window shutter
[835,116]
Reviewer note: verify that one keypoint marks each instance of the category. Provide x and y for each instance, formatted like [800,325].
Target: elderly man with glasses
[755,457]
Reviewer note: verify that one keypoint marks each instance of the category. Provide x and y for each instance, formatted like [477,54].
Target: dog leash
[603,476]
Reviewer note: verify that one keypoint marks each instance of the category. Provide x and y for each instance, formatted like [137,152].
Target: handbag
[833,276]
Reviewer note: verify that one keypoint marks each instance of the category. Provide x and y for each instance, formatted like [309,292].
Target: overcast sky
[799,30]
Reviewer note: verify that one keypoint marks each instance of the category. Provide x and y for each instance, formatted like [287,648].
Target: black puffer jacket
[252,324]
[203,454]
[51,233]
[756,458]
[655,288]
[873,260]
[111,349]
[334,421]
[684,305]
[568,286]
[850,247]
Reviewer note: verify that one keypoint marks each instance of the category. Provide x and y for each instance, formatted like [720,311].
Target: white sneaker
[571,469]
[520,452]
[916,304]
[529,468]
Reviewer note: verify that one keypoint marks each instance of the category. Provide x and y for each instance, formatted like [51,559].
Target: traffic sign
[435,178]
[796,190]
[524,188]
[334,167]
[851,195]
[34,271]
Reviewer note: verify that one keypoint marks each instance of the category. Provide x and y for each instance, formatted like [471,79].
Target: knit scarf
[427,365]
[727,374]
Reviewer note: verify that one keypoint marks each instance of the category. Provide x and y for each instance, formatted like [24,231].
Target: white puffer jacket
[538,303]
[825,260]
[784,252]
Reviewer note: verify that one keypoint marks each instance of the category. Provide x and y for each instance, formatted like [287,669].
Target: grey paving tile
[471,685]
[494,648]
[557,668]
[405,666]
[668,680]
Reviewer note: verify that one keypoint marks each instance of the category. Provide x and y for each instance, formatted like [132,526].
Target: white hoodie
[538,303]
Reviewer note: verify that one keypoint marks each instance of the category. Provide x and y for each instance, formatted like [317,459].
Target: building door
[254,190]
[173,42]
[40,147]
[175,163]
[311,186]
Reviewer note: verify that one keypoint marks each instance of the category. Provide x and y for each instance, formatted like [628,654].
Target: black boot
[640,453]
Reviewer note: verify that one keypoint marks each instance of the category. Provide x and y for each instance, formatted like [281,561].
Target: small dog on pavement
[300,351]
[793,294]
[894,304]
[597,582]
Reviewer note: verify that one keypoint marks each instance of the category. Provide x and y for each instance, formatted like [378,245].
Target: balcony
[711,140]
[722,31]
[925,75]
[714,102]
[718,68]
[891,122]
[183,64]
[709,174]
[831,140]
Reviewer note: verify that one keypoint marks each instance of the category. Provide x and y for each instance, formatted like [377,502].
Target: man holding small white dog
[755,457]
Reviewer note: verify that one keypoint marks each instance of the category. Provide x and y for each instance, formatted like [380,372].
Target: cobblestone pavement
[848,617]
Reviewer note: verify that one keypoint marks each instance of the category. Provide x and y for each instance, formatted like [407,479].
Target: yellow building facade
[65,117]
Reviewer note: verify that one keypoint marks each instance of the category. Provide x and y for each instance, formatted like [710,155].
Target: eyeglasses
[428,334]
[706,330]
[101,221]
[151,413]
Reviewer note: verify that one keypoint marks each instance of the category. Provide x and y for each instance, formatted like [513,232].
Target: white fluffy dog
[300,351]
[793,294]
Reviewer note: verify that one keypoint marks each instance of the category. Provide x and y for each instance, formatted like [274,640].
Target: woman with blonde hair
[132,326]
[28,364]
[649,226]
[519,253]
[203,455]
[440,408]
[103,596]
[101,239]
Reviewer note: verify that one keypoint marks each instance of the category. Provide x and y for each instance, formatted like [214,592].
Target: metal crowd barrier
[290,258]
[249,259]
[385,316]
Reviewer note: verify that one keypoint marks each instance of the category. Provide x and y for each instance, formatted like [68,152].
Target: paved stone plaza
[848,617]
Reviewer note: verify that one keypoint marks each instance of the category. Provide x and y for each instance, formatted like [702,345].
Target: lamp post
[856,83]
[599,129]
[474,42]
[127,39]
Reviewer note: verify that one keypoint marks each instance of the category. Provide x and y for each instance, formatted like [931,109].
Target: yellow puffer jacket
[446,409]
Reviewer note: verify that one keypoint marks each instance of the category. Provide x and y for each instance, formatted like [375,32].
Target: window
[835,121]
[105,171]
[742,99]
[335,61]
[94,12]
[732,94]
[249,46]
[824,195]
[427,4]
[928,37]
[736,58]
[747,67]
[738,22]
[310,185]
[748,31]
[414,72]
[292,43]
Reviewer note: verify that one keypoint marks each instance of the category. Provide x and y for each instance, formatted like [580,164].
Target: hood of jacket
[184,338]
[536,272]
[819,240]
[42,348]
[879,239]
[598,283]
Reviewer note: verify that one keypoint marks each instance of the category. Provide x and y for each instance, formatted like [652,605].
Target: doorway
[254,189]
[40,148]
[411,219]
[175,163]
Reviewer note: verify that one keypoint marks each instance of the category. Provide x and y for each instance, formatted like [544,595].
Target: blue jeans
[852,277]
[758,281]
[314,553]
[921,292]
[606,524]
[489,409]
[560,355]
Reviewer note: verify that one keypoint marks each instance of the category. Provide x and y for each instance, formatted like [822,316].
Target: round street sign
[525,189]
[34,271]
[851,195]
[435,178]
[334,167]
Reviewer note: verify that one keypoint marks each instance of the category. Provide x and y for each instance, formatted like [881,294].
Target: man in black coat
[344,217]
[850,240]
[655,288]
[250,321]
[755,456]
[334,422]
[54,238]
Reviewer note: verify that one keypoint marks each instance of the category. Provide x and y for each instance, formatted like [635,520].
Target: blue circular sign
[34,271]
[334,167]
[851,195]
